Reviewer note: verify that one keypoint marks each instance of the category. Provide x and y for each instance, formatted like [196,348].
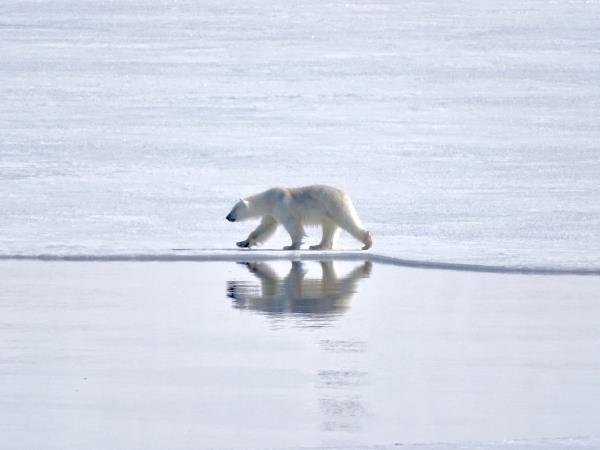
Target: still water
[281,354]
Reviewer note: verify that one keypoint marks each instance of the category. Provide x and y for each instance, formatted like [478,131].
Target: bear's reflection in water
[296,294]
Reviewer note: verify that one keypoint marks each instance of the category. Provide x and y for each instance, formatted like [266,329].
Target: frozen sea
[465,132]
[468,136]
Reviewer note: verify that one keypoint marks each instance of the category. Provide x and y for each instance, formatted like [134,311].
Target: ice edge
[266,255]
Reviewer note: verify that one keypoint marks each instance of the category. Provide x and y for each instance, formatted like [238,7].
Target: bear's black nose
[231,219]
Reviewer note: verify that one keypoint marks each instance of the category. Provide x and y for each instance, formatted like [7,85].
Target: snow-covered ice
[464,131]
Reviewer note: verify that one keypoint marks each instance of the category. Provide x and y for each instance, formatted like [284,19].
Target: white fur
[295,293]
[294,208]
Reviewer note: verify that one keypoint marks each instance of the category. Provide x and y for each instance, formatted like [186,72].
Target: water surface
[291,354]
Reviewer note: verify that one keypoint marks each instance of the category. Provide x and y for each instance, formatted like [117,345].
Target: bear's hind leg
[329,231]
[348,223]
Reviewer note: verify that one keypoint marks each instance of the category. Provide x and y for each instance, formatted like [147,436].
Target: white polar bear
[295,207]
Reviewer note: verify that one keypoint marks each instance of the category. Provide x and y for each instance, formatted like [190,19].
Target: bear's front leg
[296,231]
[264,231]
[243,244]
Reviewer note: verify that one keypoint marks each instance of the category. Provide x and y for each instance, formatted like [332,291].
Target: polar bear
[296,207]
[295,294]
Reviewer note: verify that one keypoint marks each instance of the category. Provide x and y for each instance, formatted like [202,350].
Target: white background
[464,131]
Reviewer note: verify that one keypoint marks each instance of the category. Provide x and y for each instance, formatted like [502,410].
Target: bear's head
[240,211]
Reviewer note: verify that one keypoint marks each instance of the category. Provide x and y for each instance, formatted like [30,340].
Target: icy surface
[197,355]
[464,131]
